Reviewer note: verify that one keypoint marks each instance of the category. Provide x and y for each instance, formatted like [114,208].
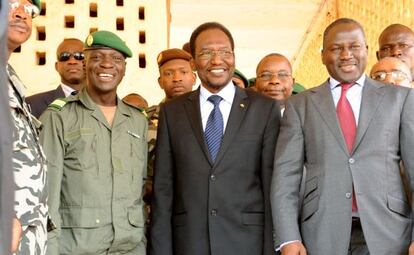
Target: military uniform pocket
[135,216]
[81,150]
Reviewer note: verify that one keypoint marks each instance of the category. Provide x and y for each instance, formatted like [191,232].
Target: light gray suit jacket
[310,136]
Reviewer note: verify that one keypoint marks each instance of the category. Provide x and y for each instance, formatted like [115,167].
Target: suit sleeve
[407,143]
[161,231]
[51,139]
[287,176]
[268,149]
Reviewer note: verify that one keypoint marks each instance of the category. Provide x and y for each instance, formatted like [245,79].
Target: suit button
[213,212]
[212,177]
[351,160]
[97,221]
[348,195]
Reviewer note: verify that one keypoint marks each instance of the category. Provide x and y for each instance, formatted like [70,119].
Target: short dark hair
[274,55]
[339,22]
[208,26]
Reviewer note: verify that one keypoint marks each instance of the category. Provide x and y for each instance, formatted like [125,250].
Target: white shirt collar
[66,89]
[227,93]
[334,83]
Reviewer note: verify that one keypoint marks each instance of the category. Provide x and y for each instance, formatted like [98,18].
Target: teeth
[105,75]
[217,70]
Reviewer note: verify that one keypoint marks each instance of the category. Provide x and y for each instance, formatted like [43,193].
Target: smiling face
[345,52]
[176,77]
[214,59]
[105,69]
[71,71]
[20,26]
[274,77]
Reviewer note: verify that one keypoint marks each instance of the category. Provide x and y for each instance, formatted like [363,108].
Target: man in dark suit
[214,160]
[350,133]
[6,186]
[69,65]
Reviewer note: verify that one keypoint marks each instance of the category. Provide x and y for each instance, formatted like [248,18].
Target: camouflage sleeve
[51,138]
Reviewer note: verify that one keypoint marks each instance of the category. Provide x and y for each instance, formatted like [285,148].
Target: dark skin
[105,68]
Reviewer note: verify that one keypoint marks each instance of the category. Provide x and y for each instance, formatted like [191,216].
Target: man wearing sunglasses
[29,164]
[69,65]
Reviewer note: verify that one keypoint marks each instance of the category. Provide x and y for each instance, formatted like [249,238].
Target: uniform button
[351,161]
[97,221]
[213,212]
[212,177]
[348,195]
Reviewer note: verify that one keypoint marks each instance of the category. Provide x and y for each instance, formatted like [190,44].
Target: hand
[16,234]
[295,248]
[411,249]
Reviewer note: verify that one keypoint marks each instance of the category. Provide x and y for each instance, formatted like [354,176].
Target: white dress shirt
[66,89]
[227,93]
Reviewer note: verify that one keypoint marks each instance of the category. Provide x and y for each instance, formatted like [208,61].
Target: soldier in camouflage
[28,161]
[176,78]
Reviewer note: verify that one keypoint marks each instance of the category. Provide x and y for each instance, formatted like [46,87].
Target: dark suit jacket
[201,208]
[39,102]
[310,136]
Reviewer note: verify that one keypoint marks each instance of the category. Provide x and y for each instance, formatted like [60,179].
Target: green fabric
[108,39]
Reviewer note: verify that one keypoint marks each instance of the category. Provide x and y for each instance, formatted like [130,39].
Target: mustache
[18,23]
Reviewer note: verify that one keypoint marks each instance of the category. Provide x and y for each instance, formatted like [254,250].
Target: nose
[346,53]
[389,79]
[107,62]
[395,51]
[19,13]
[216,59]
[177,76]
[274,79]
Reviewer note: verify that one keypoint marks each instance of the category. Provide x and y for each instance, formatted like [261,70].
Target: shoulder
[59,103]
[134,109]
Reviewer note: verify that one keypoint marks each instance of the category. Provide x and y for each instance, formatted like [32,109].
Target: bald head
[397,41]
[393,71]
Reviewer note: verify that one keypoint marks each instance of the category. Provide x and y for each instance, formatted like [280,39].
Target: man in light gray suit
[352,160]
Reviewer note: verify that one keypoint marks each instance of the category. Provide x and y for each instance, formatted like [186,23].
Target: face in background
[176,77]
[105,69]
[345,52]
[392,71]
[70,63]
[274,77]
[20,24]
[214,59]
[397,41]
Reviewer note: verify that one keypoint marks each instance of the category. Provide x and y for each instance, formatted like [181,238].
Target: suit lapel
[237,113]
[192,108]
[324,104]
[371,98]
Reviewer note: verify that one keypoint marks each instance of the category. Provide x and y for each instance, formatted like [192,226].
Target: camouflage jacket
[29,164]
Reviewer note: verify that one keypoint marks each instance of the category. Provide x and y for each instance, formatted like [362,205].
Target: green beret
[106,39]
[252,81]
[297,88]
[171,54]
[239,74]
[37,3]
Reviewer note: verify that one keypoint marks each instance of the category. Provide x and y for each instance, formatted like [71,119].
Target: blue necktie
[214,127]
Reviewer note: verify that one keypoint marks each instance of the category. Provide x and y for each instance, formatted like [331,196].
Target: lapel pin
[242,105]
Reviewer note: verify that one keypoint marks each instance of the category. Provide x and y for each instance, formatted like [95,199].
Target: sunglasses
[65,56]
[28,8]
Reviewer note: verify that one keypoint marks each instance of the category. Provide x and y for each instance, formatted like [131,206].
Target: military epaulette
[58,104]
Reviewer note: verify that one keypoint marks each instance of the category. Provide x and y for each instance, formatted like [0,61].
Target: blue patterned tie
[214,127]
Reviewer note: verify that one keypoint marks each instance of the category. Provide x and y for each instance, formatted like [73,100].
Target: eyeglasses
[28,8]
[267,76]
[208,54]
[65,56]
[395,75]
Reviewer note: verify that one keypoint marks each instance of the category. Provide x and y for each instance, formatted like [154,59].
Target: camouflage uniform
[29,169]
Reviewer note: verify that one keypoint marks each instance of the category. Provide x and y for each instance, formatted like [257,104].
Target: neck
[108,99]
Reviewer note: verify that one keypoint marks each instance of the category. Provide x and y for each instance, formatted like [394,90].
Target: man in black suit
[69,65]
[214,160]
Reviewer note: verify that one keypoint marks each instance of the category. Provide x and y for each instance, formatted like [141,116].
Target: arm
[268,149]
[287,176]
[51,139]
[161,231]
[407,146]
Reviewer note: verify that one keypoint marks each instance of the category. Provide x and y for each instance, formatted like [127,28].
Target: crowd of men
[228,168]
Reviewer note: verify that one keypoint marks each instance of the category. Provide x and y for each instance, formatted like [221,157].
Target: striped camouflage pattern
[29,169]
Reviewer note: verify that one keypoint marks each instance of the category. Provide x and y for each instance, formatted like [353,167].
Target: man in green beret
[29,231]
[97,154]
